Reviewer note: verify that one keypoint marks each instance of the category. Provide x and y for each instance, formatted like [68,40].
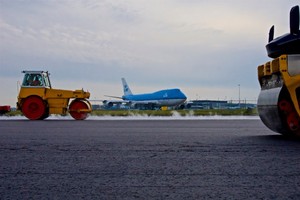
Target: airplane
[161,98]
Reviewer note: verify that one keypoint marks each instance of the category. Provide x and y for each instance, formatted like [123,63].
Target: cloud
[183,43]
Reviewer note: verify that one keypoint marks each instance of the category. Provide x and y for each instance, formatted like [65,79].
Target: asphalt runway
[146,159]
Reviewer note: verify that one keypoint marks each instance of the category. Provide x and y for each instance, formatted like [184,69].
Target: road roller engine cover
[37,99]
[278,101]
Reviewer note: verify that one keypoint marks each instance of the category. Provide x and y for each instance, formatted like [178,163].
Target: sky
[210,49]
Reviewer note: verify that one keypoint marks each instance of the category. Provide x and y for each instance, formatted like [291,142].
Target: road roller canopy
[36,79]
[288,43]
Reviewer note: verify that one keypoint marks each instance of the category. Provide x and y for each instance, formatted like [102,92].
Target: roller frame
[280,80]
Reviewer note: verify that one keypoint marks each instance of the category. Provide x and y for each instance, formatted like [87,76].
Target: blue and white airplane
[168,97]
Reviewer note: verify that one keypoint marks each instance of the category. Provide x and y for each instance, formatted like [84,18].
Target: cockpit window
[33,80]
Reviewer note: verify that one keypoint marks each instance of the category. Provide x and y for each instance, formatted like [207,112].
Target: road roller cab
[37,99]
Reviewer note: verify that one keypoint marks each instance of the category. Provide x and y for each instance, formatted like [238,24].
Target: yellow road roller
[279,79]
[37,99]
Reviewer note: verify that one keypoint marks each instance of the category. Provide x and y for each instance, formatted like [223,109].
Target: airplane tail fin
[126,88]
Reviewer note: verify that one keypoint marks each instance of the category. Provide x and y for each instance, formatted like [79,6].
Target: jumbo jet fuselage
[168,97]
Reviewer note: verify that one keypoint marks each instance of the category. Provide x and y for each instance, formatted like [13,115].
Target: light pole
[239,95]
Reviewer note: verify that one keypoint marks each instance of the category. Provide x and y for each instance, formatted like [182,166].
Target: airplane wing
[111,103]
[147,102]
[113,97]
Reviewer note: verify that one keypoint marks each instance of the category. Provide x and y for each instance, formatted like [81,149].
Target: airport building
[217,104]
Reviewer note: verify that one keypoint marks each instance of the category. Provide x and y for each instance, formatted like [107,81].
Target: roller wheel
[34,108]
[46,115]
[75,108]
[293,121]
[285,106]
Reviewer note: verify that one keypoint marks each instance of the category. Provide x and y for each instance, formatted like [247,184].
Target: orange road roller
[37,99]
[279,79]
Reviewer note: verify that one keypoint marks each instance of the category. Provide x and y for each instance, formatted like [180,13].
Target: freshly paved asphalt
[146,159]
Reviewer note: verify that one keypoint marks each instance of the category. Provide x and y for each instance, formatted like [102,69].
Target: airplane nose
[183,95]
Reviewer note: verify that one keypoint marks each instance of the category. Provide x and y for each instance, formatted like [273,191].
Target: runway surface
[146,159]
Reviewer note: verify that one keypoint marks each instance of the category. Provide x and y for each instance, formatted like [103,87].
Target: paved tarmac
[146,159]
